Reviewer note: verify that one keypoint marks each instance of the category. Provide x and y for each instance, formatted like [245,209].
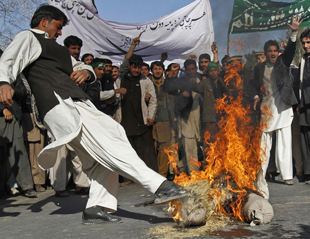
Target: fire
[234,158]
[174,210]
[239,44]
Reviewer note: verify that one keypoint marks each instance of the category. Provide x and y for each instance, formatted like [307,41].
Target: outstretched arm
[134,43]
[214,49]
[289,52]
[295,23]
[164,57]
[124,66]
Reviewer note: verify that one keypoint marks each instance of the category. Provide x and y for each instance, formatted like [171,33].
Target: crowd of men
[156,107]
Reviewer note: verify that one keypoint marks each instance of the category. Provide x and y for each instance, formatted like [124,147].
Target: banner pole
[228,44]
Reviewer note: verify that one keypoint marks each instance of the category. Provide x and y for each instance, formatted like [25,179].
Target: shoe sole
[32,196]
[169,199]
[98,221]
[61,196]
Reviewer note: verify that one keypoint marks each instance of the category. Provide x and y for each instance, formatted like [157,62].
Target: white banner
[186,31]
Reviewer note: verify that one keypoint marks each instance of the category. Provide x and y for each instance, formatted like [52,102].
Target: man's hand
[147,97]
[298,109]
[6,95]
[174,70]
[175,67]
[256,102]
[111,100]
[164,56]
[283,44]
[185,93]
[205,71]
[149,122]
[214,48]
[193,57]
[79,76]
[7,114]
[136,40]
[122,91]
[134,43]
[295,22]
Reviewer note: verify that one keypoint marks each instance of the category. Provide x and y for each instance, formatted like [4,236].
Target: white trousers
[283,156]
[67,164]
[103,148]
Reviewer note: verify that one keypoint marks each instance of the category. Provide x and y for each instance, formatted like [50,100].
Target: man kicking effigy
[66,111]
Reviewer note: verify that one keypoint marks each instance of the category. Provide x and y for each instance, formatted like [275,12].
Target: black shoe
[2,194]
[300,178]
[30,193]
[82,191]
[95,215]
[170,177]
[169,191]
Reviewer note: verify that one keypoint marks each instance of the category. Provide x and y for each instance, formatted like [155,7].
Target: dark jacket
[281,74]
[176,86]
[10,130]
[93,91]
[206,88]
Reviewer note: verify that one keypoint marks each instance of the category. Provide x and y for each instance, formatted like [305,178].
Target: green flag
[266,15]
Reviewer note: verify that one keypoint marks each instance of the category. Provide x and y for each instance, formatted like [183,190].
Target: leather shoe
[169,191]
[30,193]
[82,191]
[95,215]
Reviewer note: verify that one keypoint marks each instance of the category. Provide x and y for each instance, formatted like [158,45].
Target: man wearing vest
[66,111]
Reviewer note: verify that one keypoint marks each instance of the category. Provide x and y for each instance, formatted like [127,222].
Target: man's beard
[157,78]
[108,74]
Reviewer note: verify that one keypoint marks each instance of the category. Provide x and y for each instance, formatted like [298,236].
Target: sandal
[62,194]
[126,183]
[39,188]
[288,182]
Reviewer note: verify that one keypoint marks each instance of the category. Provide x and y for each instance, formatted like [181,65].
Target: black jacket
[281,74]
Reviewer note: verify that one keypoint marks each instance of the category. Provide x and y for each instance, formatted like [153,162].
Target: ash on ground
[216,222]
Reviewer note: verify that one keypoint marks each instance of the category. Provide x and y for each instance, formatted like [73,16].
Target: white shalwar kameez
[102,145]
[98,140]
[280,123]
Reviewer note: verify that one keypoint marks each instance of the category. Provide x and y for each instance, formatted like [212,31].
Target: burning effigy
[227,183]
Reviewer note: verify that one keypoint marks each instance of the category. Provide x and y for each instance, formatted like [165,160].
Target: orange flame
[236,150]
[174,210]
[239,44]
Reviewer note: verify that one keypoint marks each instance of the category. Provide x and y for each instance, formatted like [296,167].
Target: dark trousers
[144,146]
[272,167]
[305,148]
[14,159]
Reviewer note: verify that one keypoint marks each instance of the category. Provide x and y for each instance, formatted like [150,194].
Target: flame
[239,44]
[194,163]
[236,151]
[174,210]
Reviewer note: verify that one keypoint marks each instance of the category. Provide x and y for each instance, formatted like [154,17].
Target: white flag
[184,32]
